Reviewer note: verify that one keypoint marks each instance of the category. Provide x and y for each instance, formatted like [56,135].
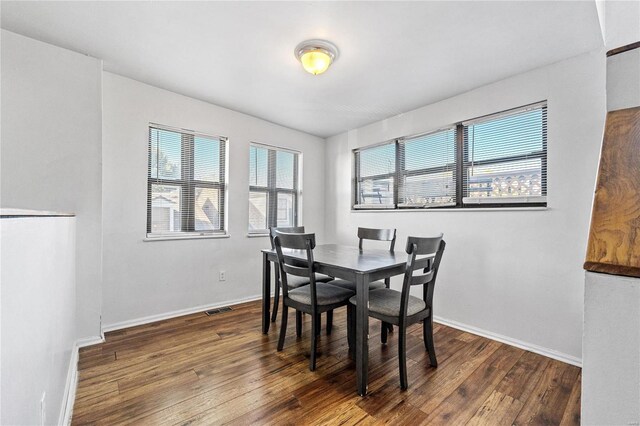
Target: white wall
[38,316]
[611,368]
[621,22]
[511,274]
[51,149]
[146,279]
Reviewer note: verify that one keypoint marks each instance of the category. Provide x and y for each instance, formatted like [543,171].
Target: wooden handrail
[614,237]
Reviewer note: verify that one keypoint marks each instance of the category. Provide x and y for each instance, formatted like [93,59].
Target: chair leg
[387,284]
[329,321]
[298,323]
[349,326]
[276,301]
[402,356]
[427,334]
[314,342]
[283,327]
[383,332]
[317,324]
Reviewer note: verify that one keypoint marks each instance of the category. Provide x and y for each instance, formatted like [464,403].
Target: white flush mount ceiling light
[316,55]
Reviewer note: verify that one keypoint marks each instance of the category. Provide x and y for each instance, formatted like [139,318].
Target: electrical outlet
[223,276]
[43,409]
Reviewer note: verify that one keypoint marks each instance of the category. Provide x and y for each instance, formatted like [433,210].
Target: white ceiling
[394,56]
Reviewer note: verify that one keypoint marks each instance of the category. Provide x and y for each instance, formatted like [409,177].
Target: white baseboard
[69,396]
[89,341]
[550,353]
[173,314]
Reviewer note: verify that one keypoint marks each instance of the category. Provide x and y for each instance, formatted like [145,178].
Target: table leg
[266,292]
[362,332]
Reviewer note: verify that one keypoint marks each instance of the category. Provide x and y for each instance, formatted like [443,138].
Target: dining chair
[314,298]
[371,234]
[294,282]
[402,309]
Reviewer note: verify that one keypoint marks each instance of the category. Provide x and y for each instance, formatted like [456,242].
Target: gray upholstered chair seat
[325,294]
[352,286]
[387,302]
[295,281]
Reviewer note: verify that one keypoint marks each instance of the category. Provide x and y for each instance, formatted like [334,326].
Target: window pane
[378,160]
[433,150]
[166,147]
[258,166]
[207,211]
[284,169]
[376,191]
[286,210]
[433,156]
[512,135]
[511,179]
[165,209]
[206,159]
[257,210]
[430,189]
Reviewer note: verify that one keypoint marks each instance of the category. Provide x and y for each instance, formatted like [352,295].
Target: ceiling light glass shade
[316,55]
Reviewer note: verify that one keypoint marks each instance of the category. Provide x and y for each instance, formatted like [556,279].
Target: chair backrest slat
[377,235]
[296,270]
[422,279]
[424,245]
[290,230]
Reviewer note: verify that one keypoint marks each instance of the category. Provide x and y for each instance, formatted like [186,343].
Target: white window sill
[257,235]
[468,209]
[185,237]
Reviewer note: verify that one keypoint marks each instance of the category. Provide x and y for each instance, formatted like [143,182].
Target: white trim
[177,313]
[184,236]
[524,208]
[90,341]
[549,353]
[69,396]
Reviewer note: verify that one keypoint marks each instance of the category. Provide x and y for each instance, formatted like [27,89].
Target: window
[186,183]
[505,157]
[497,160]
[274,189]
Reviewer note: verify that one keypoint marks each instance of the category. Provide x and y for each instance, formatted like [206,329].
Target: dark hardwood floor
[206,370]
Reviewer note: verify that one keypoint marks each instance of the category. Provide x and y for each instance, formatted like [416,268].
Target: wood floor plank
[220,369]
[498,409]
[462,404]
[548,402]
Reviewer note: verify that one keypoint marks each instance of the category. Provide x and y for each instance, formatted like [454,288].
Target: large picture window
[274,188]
[497,160]
[186,183]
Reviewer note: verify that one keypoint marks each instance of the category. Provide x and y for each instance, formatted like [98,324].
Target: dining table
[348,263]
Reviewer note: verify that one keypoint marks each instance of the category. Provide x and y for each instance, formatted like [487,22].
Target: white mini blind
[427,170]
[274,188]
[505,157]
[376,176]
[186,182]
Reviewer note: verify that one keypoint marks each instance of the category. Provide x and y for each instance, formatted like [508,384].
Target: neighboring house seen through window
[499,160]
[274,188]
[186,183]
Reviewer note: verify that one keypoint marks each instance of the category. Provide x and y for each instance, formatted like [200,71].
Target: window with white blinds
[274,188]
[505,157]
[186,183]
[493,161]
[428,170]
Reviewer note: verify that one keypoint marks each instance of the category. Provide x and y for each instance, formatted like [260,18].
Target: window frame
[460,166]
[188,184]
[272,190]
